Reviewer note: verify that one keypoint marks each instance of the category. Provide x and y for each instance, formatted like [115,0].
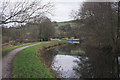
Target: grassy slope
[72,24]
[65,23]
[28,65]
[6,50]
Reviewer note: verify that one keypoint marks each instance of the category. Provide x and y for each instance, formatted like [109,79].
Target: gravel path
[7,61]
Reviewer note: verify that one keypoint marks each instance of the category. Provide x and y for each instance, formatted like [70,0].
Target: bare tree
[24,11]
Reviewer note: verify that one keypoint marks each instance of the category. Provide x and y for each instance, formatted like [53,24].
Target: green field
[66,23]
[28,65]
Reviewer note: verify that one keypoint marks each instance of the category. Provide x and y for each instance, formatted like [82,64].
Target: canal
[78,61]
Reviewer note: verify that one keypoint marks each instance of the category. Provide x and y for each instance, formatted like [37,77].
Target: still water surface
[68,63]
[64,65]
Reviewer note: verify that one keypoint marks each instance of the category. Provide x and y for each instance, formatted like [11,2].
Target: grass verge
[28,65]
[6,50]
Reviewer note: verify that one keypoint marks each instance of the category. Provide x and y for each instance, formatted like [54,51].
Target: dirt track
[7,61]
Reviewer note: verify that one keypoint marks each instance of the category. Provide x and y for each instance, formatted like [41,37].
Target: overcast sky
[63,8]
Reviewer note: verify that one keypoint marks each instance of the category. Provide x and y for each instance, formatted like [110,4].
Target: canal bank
[76,61]
[63,59]
[66,61]
[28,65]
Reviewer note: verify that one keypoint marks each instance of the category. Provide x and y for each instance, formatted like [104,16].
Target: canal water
[64,65]
[76,61]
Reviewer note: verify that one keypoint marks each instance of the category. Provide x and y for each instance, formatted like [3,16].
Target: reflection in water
[64,65]
[96,63]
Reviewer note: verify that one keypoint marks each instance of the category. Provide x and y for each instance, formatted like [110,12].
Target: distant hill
[71,23]
[67,28]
